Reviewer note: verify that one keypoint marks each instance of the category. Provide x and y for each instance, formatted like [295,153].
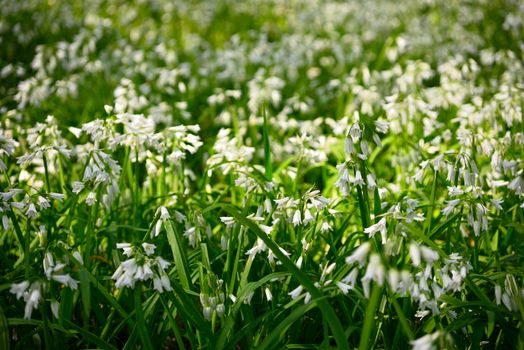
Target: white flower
[454,191]
[77,187]
[91,198]
[5,222]
[162,283]
[148,248]
[155,231]
[358,179]
[192,235]
[221,310]
[126,247]
[144,272]
[308,217]
[19,288]
[124,274]
[393,278]
[227,220]
[299,262]
[378,227]
[297,219]
[344,288]
[451,205]
[179,217]
[266,229]
[429,254]
[374,272]
[325,227]
[496,202]
[164,214]
[295,293]
[351,278]
[66,280]
[32,299]
[498,294]
[58,196]
[420,172]
[259,246]
[365,150]
[75,131]
[426,342]
[371,181]
[269,296]
[382,126]
[414,252]
[43,203]
[162,263]
[360,254]
[31,211]
[348,146]
[78,257]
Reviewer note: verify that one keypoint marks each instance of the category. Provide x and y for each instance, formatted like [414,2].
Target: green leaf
[66,305]
[4,331]
[178,256]
[369,317]
[85,292]
[140,320]
[267,149]
[491,323]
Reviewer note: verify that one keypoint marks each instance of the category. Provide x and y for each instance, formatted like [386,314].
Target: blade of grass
[178,255]
[21,239]
[140,320]
[4,331]
[402,318]
[172,323]
[267,149]
[85,293]
[429,214]
[369,318]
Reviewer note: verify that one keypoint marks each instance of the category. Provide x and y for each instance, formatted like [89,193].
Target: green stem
[267,152]
[371,311]
[429,214]
[402,318]
[137,188]
[61,174]
[24,241]
[296,184]
[141,323]
[364,215]
[163,181]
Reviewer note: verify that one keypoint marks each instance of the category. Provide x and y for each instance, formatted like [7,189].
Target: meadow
[263,174]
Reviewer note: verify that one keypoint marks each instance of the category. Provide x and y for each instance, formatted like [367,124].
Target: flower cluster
[140,267]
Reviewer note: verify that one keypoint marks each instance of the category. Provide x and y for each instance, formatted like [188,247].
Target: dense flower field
[261,174]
